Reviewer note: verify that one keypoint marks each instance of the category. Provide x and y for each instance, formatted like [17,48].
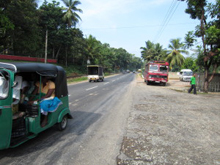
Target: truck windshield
[163,68]
[4,85]
[153,68]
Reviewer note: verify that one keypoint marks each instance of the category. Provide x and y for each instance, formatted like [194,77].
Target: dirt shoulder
[170,127]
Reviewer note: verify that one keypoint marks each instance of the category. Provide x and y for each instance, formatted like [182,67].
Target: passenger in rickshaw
[19,90]
[48,101]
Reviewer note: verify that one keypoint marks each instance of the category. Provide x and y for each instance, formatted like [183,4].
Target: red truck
[156,72]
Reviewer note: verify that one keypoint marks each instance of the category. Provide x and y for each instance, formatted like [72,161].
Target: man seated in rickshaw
[19,90]
[48,101]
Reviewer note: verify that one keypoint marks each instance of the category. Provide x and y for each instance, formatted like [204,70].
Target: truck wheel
[63,124]
[148,83]
[164,84]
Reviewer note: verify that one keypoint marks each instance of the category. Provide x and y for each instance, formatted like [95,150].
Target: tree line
[206,57]
[24,28]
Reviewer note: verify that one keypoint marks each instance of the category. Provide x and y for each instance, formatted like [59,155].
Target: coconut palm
[160,53]
[70,16]
[153,51]
[148,51]
[92,48]
[175,57]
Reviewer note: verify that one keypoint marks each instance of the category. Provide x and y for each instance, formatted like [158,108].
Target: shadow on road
[52,137]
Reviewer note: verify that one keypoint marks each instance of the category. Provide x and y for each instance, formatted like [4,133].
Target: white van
[185,74]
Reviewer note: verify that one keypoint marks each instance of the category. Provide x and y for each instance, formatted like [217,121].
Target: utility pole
[45,59]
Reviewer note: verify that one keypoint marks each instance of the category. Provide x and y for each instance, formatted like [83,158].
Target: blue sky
[129,24]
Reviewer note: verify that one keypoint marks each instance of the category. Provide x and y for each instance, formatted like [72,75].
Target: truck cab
[156,72]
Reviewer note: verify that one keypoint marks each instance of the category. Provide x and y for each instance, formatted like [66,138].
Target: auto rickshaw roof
[40,68]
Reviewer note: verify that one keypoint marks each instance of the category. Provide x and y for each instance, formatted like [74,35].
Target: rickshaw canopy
[42,69]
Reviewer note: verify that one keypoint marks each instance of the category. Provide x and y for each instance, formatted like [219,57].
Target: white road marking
[91,88]
[106,83]
[93,94]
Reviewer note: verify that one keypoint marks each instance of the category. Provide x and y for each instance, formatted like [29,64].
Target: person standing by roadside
[193,84]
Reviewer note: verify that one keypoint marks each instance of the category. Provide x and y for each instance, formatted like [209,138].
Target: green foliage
[189,39]
[23,29]
[78,70]
[195,8]
[212,35]
[111,59]
[208,31]
[153,52]
[175,57]
[5,22]
[71,18]
[190,63]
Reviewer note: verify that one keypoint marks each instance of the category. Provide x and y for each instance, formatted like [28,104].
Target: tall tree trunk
[46,41]
[53,52]
[206,83]
[66,56]
[56,57]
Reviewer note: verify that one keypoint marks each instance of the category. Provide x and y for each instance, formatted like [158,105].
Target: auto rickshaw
[20,121]
[95,73]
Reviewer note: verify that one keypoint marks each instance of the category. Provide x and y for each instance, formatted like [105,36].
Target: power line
[167,18]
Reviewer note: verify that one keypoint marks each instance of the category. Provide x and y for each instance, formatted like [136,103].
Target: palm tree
[70,16]
[153,51]
[175,57]
[160,53]
[93,48]
[147,52]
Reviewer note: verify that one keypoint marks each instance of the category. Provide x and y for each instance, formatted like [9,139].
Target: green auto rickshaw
[20,120]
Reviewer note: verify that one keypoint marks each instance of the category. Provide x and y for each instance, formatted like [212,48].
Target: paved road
[95,134]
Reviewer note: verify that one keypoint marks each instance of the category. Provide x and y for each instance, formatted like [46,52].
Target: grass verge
[78,79]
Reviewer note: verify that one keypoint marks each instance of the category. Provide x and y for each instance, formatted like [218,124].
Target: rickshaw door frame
[6,113]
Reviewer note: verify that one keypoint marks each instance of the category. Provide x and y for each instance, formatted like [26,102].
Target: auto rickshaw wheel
[63,124]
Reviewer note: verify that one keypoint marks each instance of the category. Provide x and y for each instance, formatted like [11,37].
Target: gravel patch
[170,127]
